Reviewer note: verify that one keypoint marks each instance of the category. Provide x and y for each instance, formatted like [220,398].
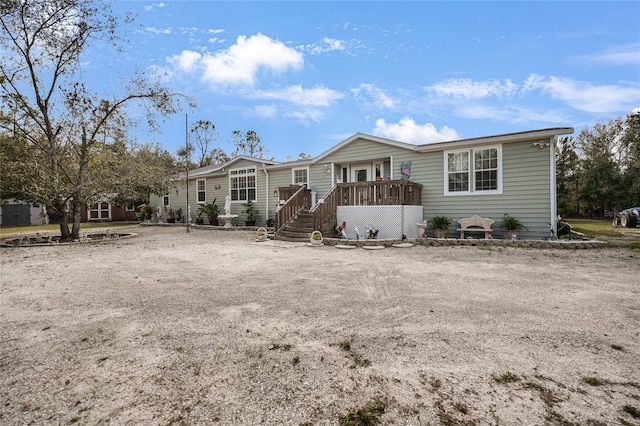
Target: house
[369,181]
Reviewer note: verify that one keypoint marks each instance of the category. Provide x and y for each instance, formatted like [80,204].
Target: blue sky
[306,75]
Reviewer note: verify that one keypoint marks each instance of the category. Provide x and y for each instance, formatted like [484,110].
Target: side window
[473,171]
[300,176]
[201,186]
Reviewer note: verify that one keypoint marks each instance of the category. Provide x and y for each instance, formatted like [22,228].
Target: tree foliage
[69,134]
[248,143]
[599,172]
[203,135]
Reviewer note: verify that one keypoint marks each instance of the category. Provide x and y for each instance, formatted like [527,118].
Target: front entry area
[365,172]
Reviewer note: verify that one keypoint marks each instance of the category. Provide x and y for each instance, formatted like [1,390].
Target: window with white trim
[300,176]
[473,171]
[165,201]
[201,186]
[100,211]
[243,184]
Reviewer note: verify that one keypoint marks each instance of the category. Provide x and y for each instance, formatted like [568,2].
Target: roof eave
[497,139]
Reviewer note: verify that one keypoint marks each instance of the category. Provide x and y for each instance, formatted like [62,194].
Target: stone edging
[449,242]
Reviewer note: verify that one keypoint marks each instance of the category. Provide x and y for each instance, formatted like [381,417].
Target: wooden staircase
[297,229]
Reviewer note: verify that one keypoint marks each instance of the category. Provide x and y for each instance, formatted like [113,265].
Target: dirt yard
[212,327]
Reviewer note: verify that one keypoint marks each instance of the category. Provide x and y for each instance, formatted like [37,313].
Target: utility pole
[186,144]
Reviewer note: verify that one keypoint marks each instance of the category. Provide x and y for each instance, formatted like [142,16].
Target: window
[473,171]
[100,211]
[300,176]
[243,184]
[165,201]
[201,186]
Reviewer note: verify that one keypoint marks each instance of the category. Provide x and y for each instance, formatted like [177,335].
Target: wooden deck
[375,193]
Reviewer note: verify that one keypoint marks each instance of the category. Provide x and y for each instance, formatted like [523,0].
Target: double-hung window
[301,176]
[201,187]
[473,171]
[243,184]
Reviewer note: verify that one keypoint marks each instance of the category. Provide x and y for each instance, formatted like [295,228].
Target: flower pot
[440,233]
[315,238]
[249,223]
[510,234]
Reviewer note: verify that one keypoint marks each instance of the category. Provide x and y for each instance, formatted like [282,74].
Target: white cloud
[187,61]
[586,96]
[265,111]
[152,7]
[188,30]
[379,96]
[240,63]
[154,30]
[318,96]
[469,89]
[407,130]
[332,45]
[627,54]
[327,45]
[306,115]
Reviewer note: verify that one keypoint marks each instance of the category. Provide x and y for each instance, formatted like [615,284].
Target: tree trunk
[59,209]
[76,209]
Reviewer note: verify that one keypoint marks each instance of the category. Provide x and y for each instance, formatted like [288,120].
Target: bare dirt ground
[212,327]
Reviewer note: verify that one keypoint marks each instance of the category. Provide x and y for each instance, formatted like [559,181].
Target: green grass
[592,228]
[32,229]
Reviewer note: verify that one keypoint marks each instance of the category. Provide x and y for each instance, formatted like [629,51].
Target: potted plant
[199,219]
[440,226]
[510,227]
[252,214]
[210,210]
[146,210]
[179,215]
[171,216]
[315,238]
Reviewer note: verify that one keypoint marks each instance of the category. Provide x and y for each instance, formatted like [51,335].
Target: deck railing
[378,193]
[297,199]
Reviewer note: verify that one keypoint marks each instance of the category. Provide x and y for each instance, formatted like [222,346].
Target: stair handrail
[285,213]
[324,209]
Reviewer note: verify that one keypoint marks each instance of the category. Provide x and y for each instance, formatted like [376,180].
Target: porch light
[275,193]
[176,191]
[541,144]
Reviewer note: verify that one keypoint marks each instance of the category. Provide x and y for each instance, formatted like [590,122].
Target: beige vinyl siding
[525,191]
[278,178]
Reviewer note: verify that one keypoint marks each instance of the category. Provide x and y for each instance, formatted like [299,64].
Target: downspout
[553,202]
[333,175]
[266,188]
[391,167]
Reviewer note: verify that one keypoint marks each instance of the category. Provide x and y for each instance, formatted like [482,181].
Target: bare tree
[203,134]
[248,144]
[63,122]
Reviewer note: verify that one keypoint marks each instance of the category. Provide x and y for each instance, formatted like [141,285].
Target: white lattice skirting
[391,221]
